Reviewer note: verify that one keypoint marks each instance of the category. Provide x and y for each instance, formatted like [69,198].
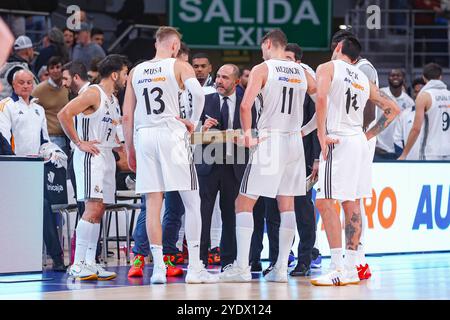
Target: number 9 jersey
[349,92]
[156,90]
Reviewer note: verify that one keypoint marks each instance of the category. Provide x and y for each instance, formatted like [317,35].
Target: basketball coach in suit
[220,167]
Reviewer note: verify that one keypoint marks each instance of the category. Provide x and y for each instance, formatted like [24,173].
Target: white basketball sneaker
[234,273]
[277,274]
[336,278]
[159,274]
[103,274]
[82,271]
[199,274]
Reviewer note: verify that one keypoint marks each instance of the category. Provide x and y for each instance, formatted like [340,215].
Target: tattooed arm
[389,107]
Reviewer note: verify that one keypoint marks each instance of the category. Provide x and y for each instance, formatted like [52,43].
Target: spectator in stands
[243,80]
[203,68]
[385,149]
[21,59]
[22,119]
[69,40]
[56,47]
[98,37]
[53,97]
[86,50]
[43,74]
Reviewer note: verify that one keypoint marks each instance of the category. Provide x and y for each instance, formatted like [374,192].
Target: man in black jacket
[221,166]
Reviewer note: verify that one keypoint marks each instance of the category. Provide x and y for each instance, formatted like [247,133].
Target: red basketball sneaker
[172,270]
[364,272]
[137,268]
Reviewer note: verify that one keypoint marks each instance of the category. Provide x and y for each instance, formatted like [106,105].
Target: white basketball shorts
[95,175]
[344,174]
[164,160]
[276,167]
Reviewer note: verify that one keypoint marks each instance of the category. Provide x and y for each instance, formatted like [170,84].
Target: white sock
[351,257]
[337,259]
[194,253]
[157,255]
[286,237]
[92,244]
[244,231]
[83,231]
[192,224]
[216,224]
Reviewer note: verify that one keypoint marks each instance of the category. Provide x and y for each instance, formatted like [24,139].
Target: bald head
[23,83]
[227,79]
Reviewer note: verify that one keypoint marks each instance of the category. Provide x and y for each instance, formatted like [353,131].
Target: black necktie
[224,114]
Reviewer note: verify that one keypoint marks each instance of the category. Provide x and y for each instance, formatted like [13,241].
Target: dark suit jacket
[310,142]
[212,109]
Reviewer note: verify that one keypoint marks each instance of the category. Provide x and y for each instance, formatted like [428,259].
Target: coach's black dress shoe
[59,266]
[300,271]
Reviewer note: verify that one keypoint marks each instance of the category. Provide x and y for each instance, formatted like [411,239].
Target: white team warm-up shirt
[349,92]
[25,122]
[385,140]
[281,100]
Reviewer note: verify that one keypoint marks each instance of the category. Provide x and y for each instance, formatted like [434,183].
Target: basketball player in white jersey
[370,116]
[342,93]
[98,116]
[161,155]
[432,110]
[277,163]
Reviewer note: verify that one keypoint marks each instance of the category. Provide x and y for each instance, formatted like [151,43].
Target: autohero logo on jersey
[53,187]
[150,72]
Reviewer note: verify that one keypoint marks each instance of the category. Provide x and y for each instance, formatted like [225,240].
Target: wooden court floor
[404,277]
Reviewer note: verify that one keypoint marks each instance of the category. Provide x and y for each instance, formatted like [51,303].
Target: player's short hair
[201,55]
[112,63]
[53,61]
[432,71]
[351,48]
[76,68]
[166,32]
[183,49]
[295,48]
[339,36]
[417,81]
[277,37]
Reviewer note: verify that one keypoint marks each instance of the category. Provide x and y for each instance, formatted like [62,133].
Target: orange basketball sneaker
[137,268]
[364,272]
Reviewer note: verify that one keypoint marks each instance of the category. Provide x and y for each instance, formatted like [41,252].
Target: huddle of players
[158,149]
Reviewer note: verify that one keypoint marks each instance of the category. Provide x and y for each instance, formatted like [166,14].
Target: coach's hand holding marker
[209,123]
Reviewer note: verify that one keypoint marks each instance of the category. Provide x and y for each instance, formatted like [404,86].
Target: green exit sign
[240,24]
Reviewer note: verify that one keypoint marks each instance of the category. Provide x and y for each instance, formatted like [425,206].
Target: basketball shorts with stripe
[164,160]
[344,174]
[276,167]
[95,175]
